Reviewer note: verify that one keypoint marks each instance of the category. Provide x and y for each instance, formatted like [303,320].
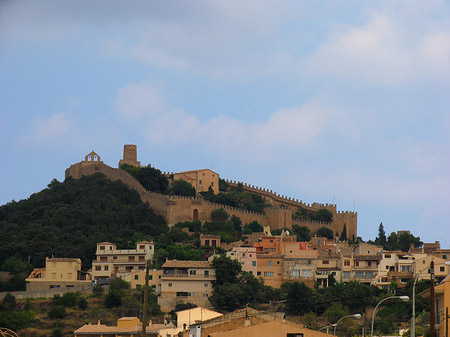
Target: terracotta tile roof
[112,330]
[106,243]
[145,242]
[63,259]
[186,264]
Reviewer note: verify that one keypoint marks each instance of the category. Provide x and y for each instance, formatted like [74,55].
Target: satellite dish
[287,233]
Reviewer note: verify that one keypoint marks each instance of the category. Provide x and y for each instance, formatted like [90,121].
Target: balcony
[188,277]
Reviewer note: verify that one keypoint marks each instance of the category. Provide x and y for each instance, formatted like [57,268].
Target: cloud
[383,50]
[47,130]
[286,129]
[137,100]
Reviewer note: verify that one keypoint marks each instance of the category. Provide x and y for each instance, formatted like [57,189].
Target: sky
[338,101]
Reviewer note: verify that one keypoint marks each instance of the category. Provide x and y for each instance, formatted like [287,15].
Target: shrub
[15,320]
[82,303]
[97,291]
[57,332]
[70,300]
[9,302]
[57,311]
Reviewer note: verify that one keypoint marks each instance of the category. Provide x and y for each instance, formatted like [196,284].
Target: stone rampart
[182,208]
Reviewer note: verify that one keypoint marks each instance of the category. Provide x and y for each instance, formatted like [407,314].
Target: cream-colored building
[121,262]
[202,180]
[186,282]
[188,317]
[58,273]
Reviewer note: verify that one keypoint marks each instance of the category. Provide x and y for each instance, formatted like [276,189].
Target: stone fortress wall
[180,208]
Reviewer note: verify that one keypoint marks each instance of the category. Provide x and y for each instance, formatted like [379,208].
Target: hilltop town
[225,267]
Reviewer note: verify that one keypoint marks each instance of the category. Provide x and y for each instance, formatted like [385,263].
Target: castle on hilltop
[279,214]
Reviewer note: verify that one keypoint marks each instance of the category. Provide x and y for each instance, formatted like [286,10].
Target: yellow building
[442,305]
[126,326]
[138,278]
[120,262]
[186,282]
[202,180]
[58,272]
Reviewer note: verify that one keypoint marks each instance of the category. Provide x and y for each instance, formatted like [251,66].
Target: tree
[227,270]
[299,298]
[344,233]
[82,303]
[255,227]
[219,215]
[392,241]
[303,233]
[325,232]
[9,302]
[381,239]
[323,215]
[181,187]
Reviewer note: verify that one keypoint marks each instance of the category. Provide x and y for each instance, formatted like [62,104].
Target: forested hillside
[67,220]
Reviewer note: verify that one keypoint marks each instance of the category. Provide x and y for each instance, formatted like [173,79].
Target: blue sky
[324,101]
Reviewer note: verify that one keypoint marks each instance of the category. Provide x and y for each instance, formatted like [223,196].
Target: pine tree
[344,233]
[381,239]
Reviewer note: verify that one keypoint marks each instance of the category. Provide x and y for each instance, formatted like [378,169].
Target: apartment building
[246,256]
[58,273]
[270,269]
[300,266]
[186,281]
[209,240]
[328,263]
[138,279]
[122,263]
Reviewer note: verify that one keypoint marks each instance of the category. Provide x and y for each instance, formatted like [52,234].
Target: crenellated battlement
[174,208]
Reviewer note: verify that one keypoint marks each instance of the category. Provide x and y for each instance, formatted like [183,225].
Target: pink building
[246,256]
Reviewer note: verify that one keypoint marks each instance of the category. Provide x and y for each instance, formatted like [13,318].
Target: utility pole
[446,322]
[144,314]
[432,303]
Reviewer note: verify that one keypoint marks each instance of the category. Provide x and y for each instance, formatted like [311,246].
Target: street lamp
[354,315]
[413,321]
[403,298]
[326,327]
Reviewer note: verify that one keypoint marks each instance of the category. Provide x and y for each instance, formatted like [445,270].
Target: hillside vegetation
[68,219]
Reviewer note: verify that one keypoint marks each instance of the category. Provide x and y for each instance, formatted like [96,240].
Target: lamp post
[335,325]
[413,320]
[326,327]
[403,298]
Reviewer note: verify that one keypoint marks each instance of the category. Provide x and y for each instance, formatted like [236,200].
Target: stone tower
[129,156]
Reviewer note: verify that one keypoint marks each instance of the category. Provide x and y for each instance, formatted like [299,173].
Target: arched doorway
[195,214]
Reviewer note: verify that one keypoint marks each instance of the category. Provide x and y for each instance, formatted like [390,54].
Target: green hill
[67,220]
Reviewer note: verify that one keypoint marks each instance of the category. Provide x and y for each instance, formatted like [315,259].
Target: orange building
[270,268]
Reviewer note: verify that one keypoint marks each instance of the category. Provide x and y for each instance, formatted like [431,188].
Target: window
[278,262]
[199,182]
[136,277]
[295,273]
[242,262]
[141,258]
[271,240]
[442,268]
[130,258]
[114,257]
[258,273]
[272,249]
[369,263]
[192,272]
[213,243]
[102,247]
[254,263]
[169,271]
[179,272]
[212,184]
[170,284]
[141,247]
[266,250]
[206,272]
[270,263]
[346,274]
[346,263]
[268,274]
[356,263]
[306,273]
[444,257]
[106,268]
[98,268]
[103,258]
[387,256]
[359,274]
[405,269]
[206,242]
[325,262]
[295,334]
[206,285]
